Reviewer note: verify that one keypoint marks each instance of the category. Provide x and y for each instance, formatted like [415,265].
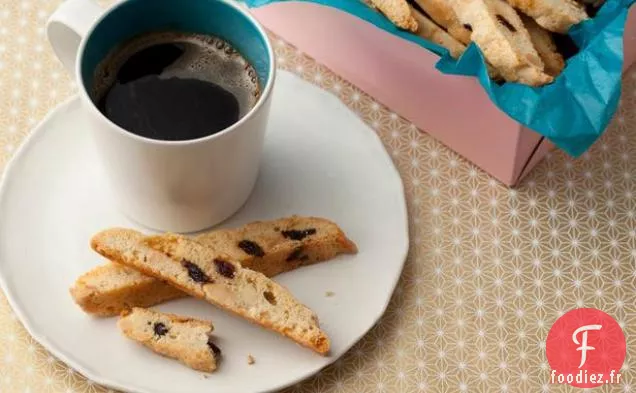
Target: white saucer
[319,159]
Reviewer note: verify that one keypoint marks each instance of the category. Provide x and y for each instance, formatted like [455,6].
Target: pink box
[402,76]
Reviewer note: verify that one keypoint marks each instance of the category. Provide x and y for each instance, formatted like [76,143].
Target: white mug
[177,186]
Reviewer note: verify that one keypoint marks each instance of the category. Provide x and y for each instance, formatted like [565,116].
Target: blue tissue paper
[574,110]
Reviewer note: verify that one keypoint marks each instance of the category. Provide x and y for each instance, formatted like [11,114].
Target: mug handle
[67,26]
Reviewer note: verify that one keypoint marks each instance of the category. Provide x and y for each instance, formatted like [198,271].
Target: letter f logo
[584,347]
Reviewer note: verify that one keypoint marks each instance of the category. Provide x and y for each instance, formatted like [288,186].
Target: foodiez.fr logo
[585,349]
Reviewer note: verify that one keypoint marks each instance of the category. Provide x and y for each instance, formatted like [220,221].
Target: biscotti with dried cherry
[187,340]
[203,273]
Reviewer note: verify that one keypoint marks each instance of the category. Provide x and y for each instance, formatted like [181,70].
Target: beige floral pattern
[490,268]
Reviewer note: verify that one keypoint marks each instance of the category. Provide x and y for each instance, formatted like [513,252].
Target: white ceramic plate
[319,159]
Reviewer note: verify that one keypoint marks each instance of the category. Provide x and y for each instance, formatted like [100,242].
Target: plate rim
[99,378]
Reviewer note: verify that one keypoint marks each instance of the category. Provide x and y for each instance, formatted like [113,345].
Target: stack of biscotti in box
[516,37]
[230,268]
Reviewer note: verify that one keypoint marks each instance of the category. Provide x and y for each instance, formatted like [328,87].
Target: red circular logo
[585,349]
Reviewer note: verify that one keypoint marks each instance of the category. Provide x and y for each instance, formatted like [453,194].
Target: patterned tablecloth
[490,269]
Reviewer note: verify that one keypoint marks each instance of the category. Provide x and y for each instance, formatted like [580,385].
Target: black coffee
[175,86]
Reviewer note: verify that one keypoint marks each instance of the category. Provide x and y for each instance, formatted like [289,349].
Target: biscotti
[270,247]
[398,11]
[278,246]
[432,32]
[500,34]
[442,13]
[545,46]
[553,15]
[109,289]
[187,340]
[515,37]
[202,272]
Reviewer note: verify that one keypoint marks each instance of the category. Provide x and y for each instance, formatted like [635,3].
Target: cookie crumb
[250,359]
[329,294]
[206,376]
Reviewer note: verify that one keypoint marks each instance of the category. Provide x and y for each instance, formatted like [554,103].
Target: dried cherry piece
[224,268]
[298,234]
[160,329]
[216,350]
[195,272]
[294,255]
[271,299]
[251,248]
